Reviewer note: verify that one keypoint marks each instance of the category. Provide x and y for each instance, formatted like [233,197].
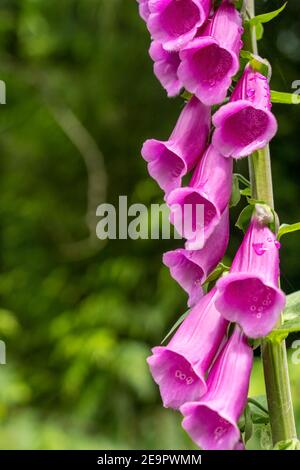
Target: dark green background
[78,316]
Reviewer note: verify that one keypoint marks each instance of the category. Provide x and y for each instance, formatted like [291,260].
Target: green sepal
[176,325]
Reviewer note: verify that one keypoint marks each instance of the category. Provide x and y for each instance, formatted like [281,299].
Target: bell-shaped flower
[209,61]
[212,421]
[180,368]
[249,294]
[190,268]
[245,124]
[175,22]
[165,68]
[144,9]
[168,161]
[196,210]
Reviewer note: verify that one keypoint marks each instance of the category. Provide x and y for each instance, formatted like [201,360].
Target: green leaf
[291,319]
[288,228]
[291,444]
[292,308]
[176,325]
[244,218]
[235,194]
[248,424]
[266,17]
[284,98]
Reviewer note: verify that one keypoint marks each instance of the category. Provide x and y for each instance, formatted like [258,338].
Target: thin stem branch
[258,405]
[274,355]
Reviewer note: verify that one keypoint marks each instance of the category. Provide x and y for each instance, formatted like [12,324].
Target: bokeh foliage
[79,316]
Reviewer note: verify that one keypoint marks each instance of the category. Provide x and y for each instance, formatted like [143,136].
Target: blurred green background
[79,316]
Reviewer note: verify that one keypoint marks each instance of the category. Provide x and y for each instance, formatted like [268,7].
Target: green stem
[274,354]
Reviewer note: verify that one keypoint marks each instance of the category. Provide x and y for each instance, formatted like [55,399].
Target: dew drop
[258,315]
[180,375]
[277,244]
[250,92]
[259,248]
[218,432]
[253,308]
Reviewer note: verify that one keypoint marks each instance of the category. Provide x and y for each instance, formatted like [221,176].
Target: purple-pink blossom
[190,268]
[211,59]
[144,9]
[212,421]
[210,189]
[168,161]
[175,22]
[249,294]
[165,68]
[179,368]
[246,123]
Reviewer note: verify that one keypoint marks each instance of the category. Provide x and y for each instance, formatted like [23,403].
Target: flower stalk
[274,354]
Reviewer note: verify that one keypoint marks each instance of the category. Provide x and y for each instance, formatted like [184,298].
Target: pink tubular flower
[211,60]
[175,22]
[165,68]
[144,9]
[212,421]
[210,188]
[246,123]
[179,369]
[191,268]
[169,161]
[249,294]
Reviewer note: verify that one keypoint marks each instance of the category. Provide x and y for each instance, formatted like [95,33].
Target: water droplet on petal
[259,248]
[250,92]
[258,315]
[277,244]
[218,432]
[253,308]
